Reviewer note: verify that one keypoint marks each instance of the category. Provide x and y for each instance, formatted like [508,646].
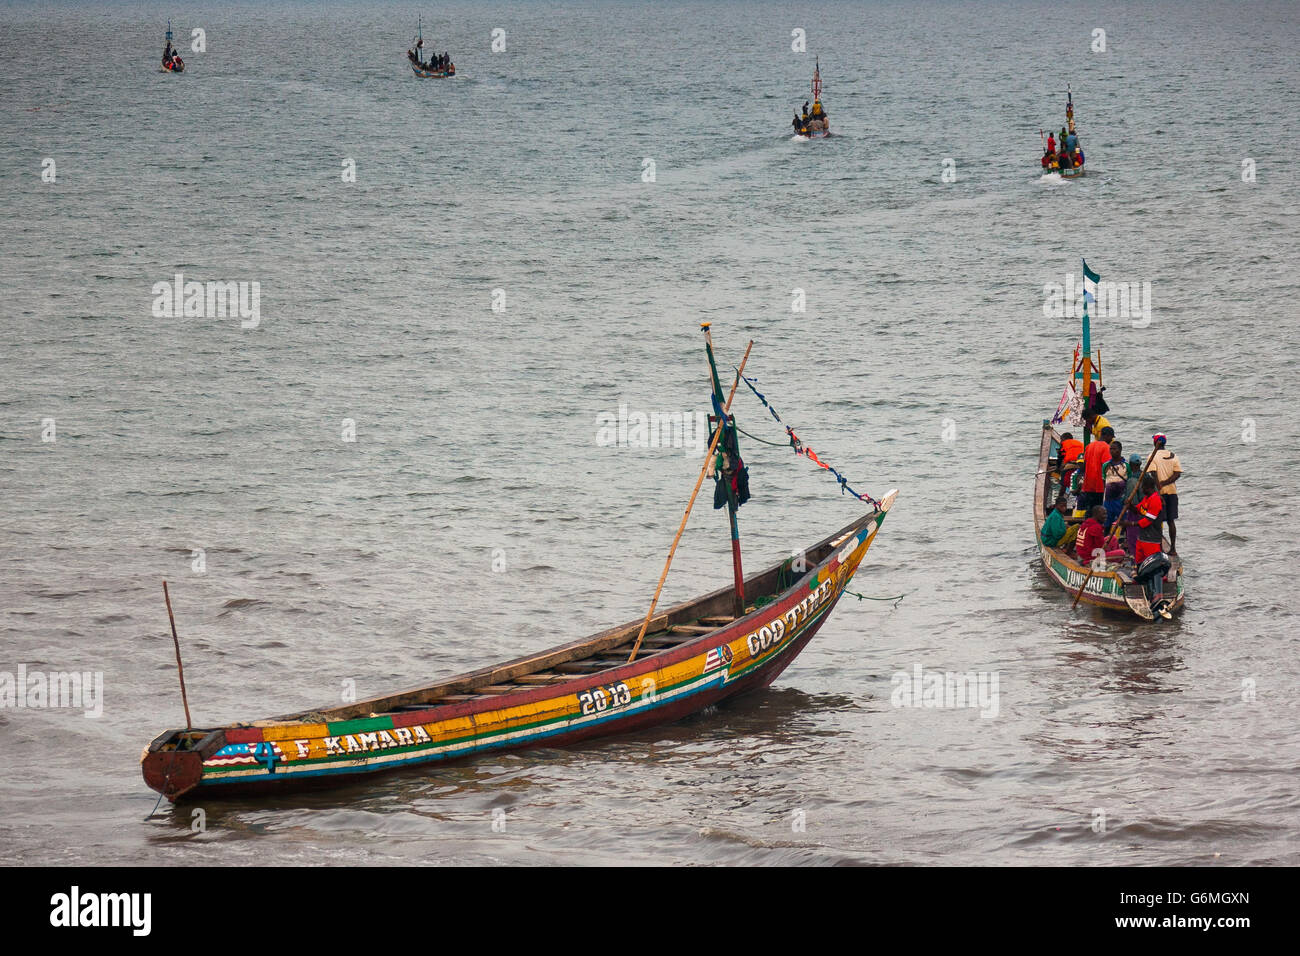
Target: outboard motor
[1151,566]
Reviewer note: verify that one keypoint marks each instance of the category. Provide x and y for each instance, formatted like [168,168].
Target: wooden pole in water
[713,447]
[180,669]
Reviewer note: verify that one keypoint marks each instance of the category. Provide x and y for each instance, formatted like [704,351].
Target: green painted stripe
[363,726]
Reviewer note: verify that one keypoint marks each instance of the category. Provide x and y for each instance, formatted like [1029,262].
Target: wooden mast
[704,469]
[732,504]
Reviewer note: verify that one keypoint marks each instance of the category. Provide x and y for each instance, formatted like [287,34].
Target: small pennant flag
[1089,276]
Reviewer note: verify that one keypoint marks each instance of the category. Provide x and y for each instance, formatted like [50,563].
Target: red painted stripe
[244,735]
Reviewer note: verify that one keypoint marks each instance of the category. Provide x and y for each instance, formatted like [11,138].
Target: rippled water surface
[923,361]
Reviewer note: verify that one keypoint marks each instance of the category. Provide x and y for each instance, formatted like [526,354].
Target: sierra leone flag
[1089,295]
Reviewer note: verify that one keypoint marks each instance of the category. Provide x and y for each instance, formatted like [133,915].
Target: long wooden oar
[1081,587]
[189,725]
[1114,535]
[717,435]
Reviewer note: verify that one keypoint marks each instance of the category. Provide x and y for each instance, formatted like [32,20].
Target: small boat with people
[662,667]
[1063,154]
[1105,523]
[171,58]
[430,66]
[813,123]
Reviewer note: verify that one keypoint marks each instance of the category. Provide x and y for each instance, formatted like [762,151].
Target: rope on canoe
[778,444]
[863,597]
[155,807]
[803,450]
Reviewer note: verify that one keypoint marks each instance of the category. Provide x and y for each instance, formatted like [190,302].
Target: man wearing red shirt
[1095,456]
[1150,540]
[1091,545]
[1149,519]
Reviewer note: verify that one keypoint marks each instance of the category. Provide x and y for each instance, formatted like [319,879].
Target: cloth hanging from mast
[1069,411]
[731,477]
[805,451]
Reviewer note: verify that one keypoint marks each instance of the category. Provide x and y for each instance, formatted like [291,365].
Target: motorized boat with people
[813,123]
[171,58]
[1133,569]
[428,66]
[1062,152]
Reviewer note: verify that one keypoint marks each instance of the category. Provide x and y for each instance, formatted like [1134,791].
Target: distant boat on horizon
[171,58]
[430,69]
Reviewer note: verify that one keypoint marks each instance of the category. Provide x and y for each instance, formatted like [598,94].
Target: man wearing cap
[1167,470]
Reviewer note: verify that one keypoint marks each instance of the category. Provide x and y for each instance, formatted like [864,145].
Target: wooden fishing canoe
[1113,589]
[693,656]
[424,73]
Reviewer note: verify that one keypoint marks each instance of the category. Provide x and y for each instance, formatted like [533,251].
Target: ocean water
[923,360]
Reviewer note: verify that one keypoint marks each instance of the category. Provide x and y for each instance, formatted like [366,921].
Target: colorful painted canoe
[1113,589]
[694,655]
[1073,173]
[425,73]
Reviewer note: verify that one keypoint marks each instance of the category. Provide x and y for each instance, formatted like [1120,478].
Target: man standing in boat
[1167,470]
[1095,457]
[1150,539]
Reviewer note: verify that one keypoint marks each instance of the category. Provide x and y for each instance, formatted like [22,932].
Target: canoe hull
[424,74]
[1113,590]
[746,654]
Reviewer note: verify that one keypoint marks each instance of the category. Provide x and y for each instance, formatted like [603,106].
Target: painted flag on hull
[718,657]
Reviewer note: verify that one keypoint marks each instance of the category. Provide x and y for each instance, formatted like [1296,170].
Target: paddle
[1114,535]
[1081,587]
[713,447]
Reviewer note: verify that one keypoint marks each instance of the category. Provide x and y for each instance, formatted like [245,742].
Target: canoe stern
[173,763]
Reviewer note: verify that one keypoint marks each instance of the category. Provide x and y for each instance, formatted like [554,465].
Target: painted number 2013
[600,699]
